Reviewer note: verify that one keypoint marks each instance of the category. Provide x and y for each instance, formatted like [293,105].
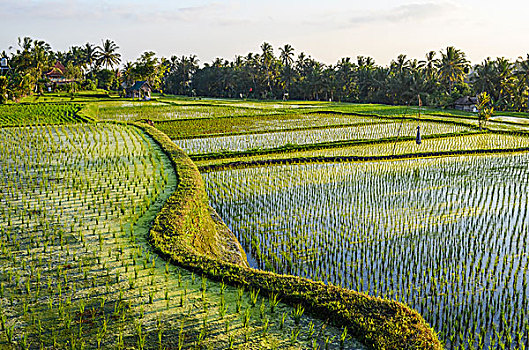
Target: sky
[326,30]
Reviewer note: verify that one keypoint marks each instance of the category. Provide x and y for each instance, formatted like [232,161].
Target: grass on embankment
[380,323]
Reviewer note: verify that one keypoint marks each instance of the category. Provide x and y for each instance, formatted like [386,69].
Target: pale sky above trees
[326,30]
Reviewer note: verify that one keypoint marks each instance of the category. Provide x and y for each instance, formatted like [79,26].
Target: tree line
[439,78]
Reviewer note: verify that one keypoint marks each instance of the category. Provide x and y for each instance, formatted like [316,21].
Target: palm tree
[364,77]
[452,67]
[428,66]
[286,55]
[89,55]
[505,78]
[483,76]
[401,64]
[107,54]
[128,74]
[344,78]
[187,66]
[498,79]
[523,81]
[267,58]
[287,59]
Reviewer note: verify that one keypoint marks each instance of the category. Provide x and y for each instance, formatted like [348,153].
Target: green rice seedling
[203,283]
[343,337]
[294,334]
[273,300]
[246,319]
[254,295]
[297,313]
[181,338]
[231,341]
[222,307]
[141,337]
[266,324]
[282,321]
[262,309]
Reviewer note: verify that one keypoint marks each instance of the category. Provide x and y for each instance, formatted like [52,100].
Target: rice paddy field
[35,114]
[208,127]
[447,236]
[158,111]
[441,144]
[76,271]
[370,131]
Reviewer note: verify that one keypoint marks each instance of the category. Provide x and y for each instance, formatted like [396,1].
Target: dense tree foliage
[440,78]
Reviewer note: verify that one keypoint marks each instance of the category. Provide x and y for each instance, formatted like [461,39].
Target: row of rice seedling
[487,141]
[76,271]
[35,114]
[155,111]
[179,129]
[447,236]
[371,131]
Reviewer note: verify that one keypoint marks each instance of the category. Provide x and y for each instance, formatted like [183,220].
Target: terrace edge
[184,232]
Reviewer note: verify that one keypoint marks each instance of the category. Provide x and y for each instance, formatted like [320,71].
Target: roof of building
[466,100]
[57,70]
[139,84]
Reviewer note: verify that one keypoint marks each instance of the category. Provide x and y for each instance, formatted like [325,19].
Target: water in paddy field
[447,236]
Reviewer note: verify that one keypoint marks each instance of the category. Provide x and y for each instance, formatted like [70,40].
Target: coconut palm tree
[483,78]
[89,55]
[267,59]
[286,55]
[287,59]
[505,82]
[128,74]
[186,67]
[107,54]
[400,65]
[452,66]
[522,72]
[428,65]
[344,78]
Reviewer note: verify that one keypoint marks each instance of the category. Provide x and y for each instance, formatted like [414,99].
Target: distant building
[4,67]
[467,104]
[140,90]
[57,75]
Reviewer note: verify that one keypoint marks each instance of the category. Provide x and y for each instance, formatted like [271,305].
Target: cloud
[54,10]
[406,13]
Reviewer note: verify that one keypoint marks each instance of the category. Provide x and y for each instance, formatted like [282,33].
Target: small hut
[140,90]
[467,104]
